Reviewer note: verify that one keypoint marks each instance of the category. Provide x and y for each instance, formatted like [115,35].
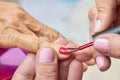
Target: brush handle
[111,30]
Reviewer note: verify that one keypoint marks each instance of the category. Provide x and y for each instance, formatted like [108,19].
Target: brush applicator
[67,51]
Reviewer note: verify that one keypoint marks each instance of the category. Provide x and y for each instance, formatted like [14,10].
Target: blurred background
[70,18]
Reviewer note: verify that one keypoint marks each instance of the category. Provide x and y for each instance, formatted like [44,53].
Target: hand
[46,60]
[44,66]
[19,29]
[105,15]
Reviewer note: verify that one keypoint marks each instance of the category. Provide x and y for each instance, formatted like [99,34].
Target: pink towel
[10,59]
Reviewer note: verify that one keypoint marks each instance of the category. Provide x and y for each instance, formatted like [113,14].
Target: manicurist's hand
[102,17]
[46,66]
[105,15]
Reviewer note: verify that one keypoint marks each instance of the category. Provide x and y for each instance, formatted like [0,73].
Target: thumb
[105,14]
[108,44]
[46,65]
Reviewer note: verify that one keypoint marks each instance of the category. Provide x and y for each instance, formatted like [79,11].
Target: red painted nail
[64,51]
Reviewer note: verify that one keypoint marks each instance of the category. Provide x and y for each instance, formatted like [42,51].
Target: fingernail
[97,25]
[46,55]
[102,45]
[100,61]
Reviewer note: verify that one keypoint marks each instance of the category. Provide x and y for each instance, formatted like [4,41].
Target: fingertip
[106,13]
[103,63]
[60,56]
[108,44]
[98,45]
[46,65]
[46,55]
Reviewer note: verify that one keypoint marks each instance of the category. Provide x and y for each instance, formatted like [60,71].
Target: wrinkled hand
[45,66]
[19,29]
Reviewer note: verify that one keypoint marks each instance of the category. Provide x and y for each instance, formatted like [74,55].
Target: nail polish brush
[67,51]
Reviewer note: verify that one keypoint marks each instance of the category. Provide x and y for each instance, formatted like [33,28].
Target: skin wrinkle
[39,29]
[7,37]
[44,31]
[45,70]
[21,23]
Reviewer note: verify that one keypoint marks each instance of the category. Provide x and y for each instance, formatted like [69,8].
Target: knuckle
[50,76]
[48,72]
[28,76]
[6,36]
[37,44]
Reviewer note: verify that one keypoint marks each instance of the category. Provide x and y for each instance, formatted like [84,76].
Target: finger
[75,71]
[106,14]
[46,65]
[111,45]
[61,41]
[26,70]
[63,68]
[103,62]
[64,64]
[84,55]
[92,14]
[12,38]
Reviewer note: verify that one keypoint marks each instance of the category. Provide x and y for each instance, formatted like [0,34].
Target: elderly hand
[45,66]
[19,29]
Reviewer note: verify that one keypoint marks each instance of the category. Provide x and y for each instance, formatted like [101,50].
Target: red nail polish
[67,51]
[64,51]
